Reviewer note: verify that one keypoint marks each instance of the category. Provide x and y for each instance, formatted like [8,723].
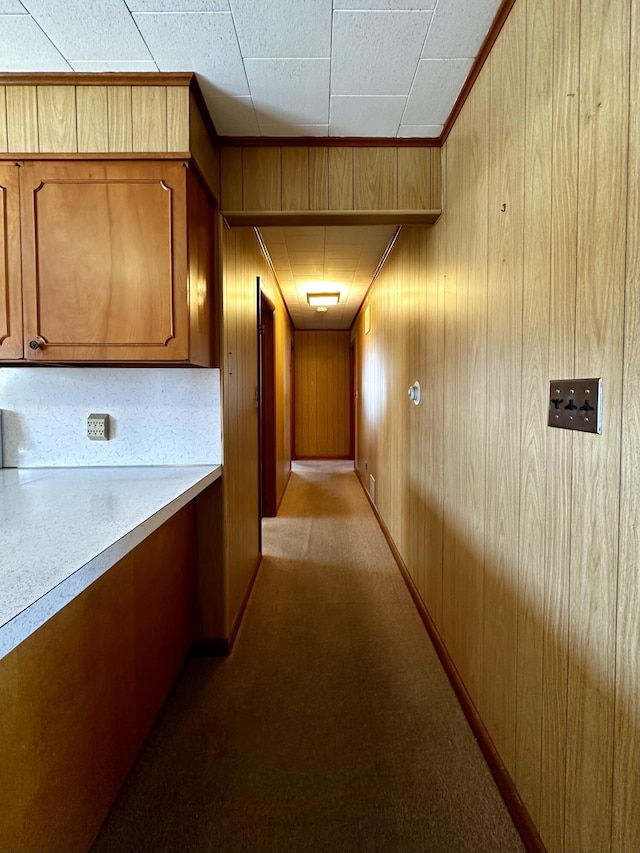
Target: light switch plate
[576,404]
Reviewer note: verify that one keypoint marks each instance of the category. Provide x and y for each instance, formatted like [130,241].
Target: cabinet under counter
[101,646]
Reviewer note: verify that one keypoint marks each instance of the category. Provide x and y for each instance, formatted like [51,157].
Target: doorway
[267,402]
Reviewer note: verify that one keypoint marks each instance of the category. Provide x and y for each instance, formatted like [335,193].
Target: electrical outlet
[98,427]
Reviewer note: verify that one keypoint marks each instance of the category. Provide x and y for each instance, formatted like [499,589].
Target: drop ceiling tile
[90,29]
[391,5]
[420,131]
[178,5]
[232,116]
[295,91]
[435,89]
[12,7]
[375,53]
[365,116]
[26,48]
[294,129]
[184,42]
[459,28]
[118,65]
[269,29]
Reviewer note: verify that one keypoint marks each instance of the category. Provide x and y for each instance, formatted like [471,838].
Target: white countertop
[61,528]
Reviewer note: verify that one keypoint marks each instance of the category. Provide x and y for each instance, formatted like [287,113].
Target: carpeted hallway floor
[331,727]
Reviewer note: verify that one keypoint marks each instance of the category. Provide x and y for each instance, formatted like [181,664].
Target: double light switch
[576,404]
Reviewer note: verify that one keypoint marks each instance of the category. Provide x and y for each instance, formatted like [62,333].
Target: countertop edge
[25,623]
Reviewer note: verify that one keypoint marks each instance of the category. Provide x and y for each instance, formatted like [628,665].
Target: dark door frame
[267,404]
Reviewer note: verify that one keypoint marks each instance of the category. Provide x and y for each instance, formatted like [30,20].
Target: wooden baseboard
[283,490]
[515,806]
[240,614]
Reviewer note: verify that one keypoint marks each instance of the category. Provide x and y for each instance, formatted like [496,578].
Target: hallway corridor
[331,726]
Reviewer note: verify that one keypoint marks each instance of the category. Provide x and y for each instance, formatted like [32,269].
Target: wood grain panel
[10,264]
[602,186]
[3,119]
[22,119]
[322,394]
[203,151]
[231,178]
[149,118]
[375,178]
[533,400]
[177,118]
[318,178]
[504,352]
[295,178]
[119,106]
[92,118]
[84,689]
[57,129]
[340,179]
[563,212]
[626,757]
[414,178]
[262,179]
[436,179]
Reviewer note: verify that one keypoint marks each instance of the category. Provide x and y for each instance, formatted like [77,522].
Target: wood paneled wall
[322,394]
[524,540]
[63,118]
[243,262]
[329,178]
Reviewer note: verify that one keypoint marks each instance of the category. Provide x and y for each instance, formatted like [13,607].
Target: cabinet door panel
[10,285]
[104,261]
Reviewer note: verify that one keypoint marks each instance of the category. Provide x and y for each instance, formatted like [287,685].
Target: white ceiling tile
[117,65]
[375,53]
[391,5]
[437,85]
[89,29]
[178,5]
[232,116]
[294,91]
[271,29]
[205,43]
[459,28]
[365,116]
[26,48]
[12,7]
[288,129]
[420,131]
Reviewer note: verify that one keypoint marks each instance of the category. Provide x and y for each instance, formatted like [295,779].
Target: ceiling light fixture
[321,309]
[323,299]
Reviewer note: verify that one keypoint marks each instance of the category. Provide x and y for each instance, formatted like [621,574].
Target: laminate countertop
[61,528]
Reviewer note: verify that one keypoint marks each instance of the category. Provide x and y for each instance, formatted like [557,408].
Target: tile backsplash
[157,416]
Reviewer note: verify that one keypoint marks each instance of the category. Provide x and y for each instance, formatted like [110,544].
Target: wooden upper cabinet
[10,286]
[106,262]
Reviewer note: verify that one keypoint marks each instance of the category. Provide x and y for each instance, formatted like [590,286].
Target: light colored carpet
[331,727]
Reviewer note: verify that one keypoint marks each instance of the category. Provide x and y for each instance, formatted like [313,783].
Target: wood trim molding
[98,155]
[515,806]
[485,49]
[233,633]
[382,262]
[284,218]
[329,141]
[100,78]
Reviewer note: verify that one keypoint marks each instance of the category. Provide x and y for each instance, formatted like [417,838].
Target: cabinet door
[10,286]
[104,261]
